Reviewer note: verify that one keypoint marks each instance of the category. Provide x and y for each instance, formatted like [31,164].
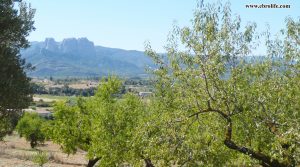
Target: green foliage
[65,128]
[16,24]
[40,158]
[102,125]
[14,85]
[30,127]
[215,106]
[114,124]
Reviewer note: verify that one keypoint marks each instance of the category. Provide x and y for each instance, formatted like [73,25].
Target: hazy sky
[128,24]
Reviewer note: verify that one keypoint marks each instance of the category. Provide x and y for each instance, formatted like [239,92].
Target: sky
[127,24]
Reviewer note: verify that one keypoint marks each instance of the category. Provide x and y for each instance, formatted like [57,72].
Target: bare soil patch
[16,152]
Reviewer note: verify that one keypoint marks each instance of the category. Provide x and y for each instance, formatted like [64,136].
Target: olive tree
[215,104]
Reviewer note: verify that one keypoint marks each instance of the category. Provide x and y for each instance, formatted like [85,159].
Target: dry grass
[15,151]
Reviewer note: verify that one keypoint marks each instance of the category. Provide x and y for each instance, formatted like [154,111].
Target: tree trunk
[33,143]
[148,162]
[92,162]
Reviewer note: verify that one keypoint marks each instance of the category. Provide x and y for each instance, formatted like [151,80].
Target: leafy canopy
[217,105]
[102,125]
[15,92]
[30,127]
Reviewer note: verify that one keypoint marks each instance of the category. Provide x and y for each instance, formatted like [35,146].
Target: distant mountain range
[81,58]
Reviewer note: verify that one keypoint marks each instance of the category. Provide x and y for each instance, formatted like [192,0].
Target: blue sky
[128,24]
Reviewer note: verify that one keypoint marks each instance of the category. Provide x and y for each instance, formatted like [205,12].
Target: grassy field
[54,98]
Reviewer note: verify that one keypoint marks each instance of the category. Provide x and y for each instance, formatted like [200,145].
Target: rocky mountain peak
[81,45]
[50,44]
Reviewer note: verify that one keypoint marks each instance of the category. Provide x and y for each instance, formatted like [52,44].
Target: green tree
[102,125]
[30,127]
[114,123]
[215,105]
[14,84]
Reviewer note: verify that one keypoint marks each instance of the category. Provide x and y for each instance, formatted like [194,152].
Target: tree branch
[210,110]
[266,160]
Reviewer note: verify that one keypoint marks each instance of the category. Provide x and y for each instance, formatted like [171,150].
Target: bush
[40,158]
[29,127]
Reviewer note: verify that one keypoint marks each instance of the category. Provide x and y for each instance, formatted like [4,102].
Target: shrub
[40,158]
[29,127]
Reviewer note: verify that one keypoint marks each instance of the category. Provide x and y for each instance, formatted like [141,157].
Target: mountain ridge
[79,57]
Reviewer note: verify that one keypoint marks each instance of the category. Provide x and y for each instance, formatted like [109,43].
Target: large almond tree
[216,104]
